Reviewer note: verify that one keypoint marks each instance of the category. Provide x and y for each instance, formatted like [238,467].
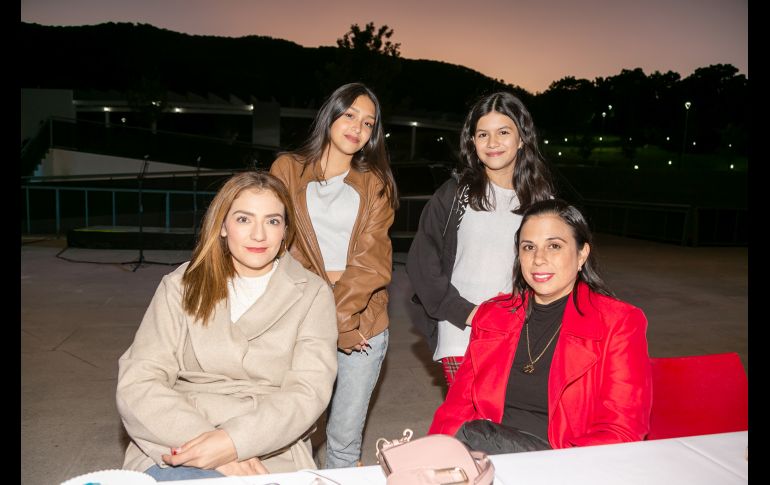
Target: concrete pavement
[78,317]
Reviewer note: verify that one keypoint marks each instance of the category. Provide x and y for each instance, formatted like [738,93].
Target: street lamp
[687,106]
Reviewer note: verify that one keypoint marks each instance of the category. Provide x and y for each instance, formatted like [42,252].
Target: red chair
[701,394]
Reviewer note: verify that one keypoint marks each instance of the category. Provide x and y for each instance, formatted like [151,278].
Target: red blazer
[599,385]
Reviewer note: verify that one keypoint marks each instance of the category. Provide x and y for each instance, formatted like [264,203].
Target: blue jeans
[180,473]
[357,374]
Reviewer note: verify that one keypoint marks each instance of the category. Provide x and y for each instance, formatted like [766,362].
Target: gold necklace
[530,368]
[323,172]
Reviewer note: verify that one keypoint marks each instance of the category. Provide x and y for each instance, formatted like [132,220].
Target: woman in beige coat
[235,358]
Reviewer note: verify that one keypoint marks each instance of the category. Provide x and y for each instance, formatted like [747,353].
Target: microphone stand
[195,197]
[141,214]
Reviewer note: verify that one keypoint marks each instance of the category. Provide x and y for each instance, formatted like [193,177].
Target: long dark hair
[531,176]
[571,216]
[372,157]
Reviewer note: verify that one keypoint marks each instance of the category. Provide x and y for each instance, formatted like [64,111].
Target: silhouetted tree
[630,94]
[567,106]
[370,40]
[364,55]
[720,95]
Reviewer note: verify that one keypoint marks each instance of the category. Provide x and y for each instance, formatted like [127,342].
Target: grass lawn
[609,153]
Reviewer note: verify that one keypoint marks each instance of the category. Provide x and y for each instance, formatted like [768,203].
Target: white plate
[112,477]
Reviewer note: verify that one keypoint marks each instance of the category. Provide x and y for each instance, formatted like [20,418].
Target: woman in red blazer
[560,361]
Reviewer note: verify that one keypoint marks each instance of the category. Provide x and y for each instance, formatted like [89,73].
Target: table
[718,459]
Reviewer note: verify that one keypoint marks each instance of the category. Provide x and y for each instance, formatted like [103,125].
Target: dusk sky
[530,43]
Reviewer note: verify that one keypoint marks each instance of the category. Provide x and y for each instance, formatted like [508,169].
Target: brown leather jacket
[360,293]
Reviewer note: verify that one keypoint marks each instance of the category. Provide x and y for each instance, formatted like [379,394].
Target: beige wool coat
[264,379]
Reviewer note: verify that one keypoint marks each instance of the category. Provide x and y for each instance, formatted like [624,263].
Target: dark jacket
[360,293]
[432,257]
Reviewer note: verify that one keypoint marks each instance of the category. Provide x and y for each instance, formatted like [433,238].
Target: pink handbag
[432,460]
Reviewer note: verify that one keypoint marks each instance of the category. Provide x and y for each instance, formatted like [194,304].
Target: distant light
[156,103]
[546,142]
[732,166]
[669,162]
[668,138]
[630,139]
[251,107]
[107,109]
[122,120]
[413,123]
[387,135]
[693,143]
[636,167]
[601,139]
[609,107]
[687,105]
[604,114]
[177,110]
[729,145]
[559,153]
[565,140]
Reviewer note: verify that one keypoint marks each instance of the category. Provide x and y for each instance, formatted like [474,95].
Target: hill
[130,57]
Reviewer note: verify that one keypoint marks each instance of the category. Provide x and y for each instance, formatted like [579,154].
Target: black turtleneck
[526,397]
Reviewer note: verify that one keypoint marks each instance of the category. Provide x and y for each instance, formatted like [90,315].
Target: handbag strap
[485,467]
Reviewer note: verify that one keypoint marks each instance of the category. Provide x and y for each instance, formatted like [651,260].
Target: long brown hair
[205,279]
[372,157]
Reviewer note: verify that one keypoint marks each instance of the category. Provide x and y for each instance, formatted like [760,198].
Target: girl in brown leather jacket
[344,198]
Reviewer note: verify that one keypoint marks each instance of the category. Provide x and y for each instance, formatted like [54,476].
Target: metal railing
[683,224]
[671,223]
[85,218]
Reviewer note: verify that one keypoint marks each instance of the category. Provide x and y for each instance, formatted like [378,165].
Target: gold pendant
[529,368]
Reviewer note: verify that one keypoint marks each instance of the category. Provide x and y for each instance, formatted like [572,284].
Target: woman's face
[351,131]
[254,228]
[549,257]
[497,142]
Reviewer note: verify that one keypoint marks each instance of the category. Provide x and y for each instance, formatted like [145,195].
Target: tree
[567,106]
[370,40]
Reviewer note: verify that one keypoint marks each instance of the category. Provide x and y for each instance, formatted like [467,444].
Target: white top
[483,263]
[243,291]
[333,208]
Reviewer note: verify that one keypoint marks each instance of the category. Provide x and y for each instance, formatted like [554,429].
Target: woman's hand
[358,347]
[362,345]
[211,449]
[252,466]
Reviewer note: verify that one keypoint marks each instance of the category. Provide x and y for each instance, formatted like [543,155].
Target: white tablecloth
[718,459]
